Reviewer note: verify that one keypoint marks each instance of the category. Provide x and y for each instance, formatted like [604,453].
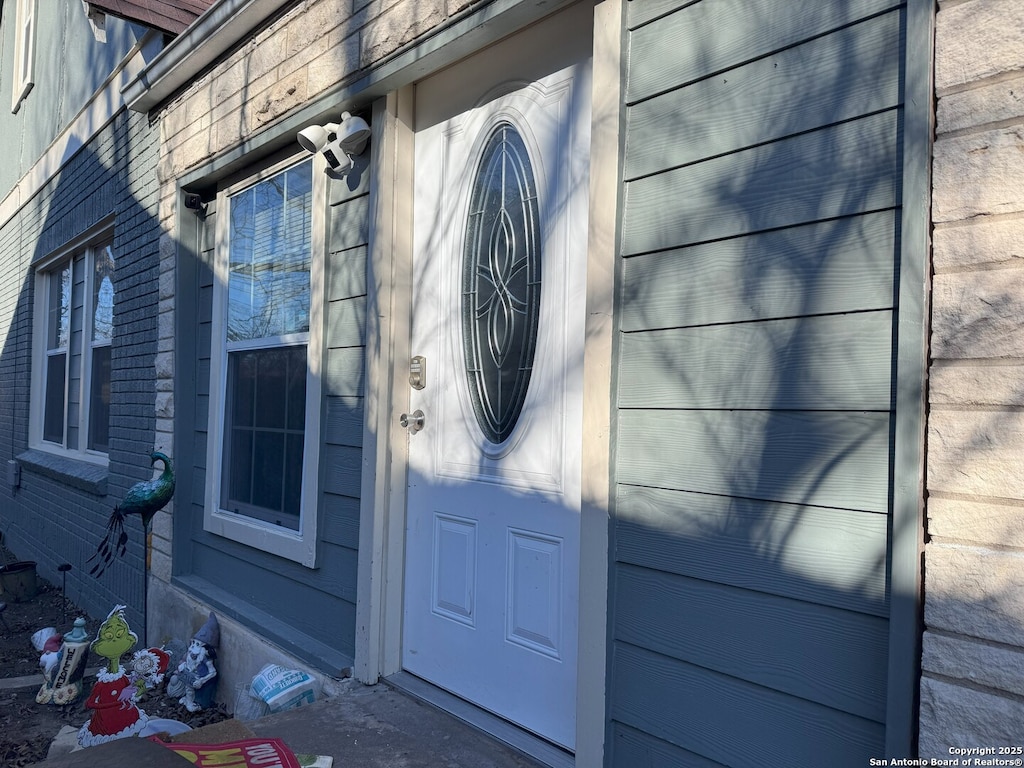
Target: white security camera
[337,142]
[316,138]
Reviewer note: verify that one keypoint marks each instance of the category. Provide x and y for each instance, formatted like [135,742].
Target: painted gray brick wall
[59,512]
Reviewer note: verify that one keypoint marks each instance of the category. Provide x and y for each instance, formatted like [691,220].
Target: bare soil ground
[27,728]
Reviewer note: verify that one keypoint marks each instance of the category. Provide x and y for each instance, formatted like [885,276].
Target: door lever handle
[412,421]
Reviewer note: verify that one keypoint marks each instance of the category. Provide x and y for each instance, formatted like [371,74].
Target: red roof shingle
[171,16]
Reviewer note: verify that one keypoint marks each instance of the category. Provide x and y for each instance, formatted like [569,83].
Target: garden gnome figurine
[195,681]
[112,698]
[63,684]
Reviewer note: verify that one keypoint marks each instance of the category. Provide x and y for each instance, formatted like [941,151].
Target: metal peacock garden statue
[144,499]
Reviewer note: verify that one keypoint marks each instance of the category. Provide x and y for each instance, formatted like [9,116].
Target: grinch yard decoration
[112,698]
[148,668]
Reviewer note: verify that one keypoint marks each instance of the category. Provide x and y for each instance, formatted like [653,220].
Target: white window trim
[100,234]
[24,52]
[299,545]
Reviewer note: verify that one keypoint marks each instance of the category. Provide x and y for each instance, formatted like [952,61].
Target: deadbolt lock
[418,372]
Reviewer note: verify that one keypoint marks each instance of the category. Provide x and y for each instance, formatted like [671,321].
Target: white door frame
[389,321]
[492,530]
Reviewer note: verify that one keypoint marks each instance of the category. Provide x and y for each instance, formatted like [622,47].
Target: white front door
[492,537]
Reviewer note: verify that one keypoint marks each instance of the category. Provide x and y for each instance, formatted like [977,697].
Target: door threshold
[498,728]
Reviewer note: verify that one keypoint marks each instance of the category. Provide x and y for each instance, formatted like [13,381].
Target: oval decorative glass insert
[501,282]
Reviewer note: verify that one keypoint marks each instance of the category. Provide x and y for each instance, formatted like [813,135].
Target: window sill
[283,542]
[22,95]
[268,627]
[91,478]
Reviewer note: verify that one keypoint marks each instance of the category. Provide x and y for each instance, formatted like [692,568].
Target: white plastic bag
[248,707]
[282,688]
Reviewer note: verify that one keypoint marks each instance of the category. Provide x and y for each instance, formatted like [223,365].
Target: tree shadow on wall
[105,192]
[758,375]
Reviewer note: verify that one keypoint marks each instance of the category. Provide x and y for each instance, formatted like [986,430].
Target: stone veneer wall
[972,686]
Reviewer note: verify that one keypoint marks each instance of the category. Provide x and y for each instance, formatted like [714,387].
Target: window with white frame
[71,377]
[24,51]
[265,362]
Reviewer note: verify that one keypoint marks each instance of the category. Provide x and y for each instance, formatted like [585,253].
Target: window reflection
[268,283]
[103,295]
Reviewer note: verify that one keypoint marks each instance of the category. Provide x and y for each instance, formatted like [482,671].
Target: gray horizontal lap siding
[755,368]
[310,612]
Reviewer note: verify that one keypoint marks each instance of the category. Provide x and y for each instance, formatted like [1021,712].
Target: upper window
[264,437]
[24,51]
[71,377]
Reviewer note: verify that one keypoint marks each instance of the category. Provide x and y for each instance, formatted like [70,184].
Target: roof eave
[171,18]
[226,23]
